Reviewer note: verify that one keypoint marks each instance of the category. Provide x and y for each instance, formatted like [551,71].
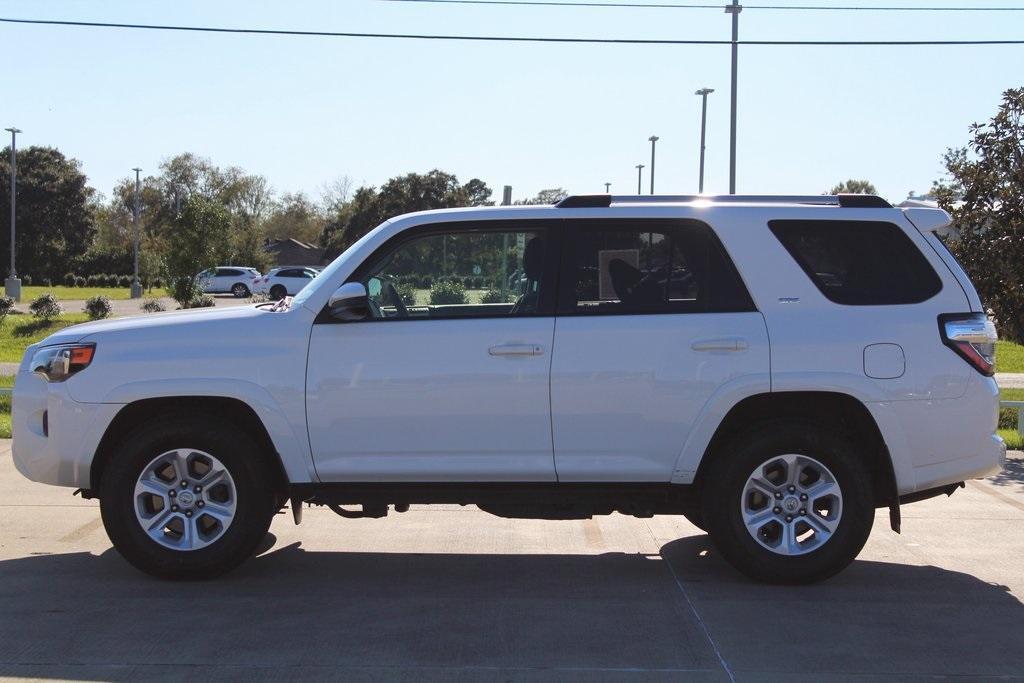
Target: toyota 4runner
[772,368]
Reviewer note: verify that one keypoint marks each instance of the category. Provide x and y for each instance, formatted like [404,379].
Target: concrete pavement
[449,593]
[1010,380]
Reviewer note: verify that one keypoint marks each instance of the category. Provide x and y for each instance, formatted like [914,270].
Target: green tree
[199,239]
[295,216]
[984,193]
[55,208]
[404,194]
[853,187]
[550,196]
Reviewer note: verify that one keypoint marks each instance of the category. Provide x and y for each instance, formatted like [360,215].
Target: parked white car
[282,282]
[229,280]
[773,368]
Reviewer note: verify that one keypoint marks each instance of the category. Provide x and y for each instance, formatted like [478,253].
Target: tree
[55,210]
[984,193]
[550,196]
[404,194]
[198,241]
[297,217]
[853,187]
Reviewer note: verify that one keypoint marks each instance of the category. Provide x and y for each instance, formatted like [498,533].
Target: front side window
[859,263]
[636,267]
[459,274]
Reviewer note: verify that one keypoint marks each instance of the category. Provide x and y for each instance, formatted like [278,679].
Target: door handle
[726,344]
[516,350]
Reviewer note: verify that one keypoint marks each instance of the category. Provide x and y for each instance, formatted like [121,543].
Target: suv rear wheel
[189,498]
[278,292]
[240,291]
[789,503]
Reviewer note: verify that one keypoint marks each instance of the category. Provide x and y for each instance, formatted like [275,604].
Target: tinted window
[650,267]
[859,263]
[228,272]
[461,273]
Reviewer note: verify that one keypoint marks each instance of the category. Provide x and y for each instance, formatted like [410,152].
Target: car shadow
[1012,472]
[295,612]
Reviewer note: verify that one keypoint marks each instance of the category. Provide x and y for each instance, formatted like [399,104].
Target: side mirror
[350,302]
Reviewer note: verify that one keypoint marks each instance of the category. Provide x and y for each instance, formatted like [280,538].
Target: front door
[448,379]
[653,321]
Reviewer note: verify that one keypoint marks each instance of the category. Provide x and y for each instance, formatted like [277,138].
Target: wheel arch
[834,410]
[233,410]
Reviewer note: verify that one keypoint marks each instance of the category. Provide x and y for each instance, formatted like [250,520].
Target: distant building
[292,252]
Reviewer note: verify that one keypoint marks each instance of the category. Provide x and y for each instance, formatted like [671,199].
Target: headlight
[57,363]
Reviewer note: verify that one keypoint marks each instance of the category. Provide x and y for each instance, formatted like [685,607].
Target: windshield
[327,274]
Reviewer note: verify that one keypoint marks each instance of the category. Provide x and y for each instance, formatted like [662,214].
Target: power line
[508,39]
[667,5]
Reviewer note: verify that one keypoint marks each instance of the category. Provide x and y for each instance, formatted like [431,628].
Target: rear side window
[859,263]
[650,266]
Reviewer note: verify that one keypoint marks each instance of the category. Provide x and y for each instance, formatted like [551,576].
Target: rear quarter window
[859,263]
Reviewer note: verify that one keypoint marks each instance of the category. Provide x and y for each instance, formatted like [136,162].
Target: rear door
[653,321]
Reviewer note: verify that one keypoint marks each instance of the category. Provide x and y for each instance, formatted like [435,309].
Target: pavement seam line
[693,609]
[978,486]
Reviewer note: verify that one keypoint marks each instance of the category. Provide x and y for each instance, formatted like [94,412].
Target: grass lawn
[1009,357]
[83,293]
[18,331]
[5,407]
[1008,419]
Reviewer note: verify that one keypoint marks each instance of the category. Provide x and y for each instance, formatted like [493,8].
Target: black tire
[278,292]
[240,291]
[254,493]
[723,497]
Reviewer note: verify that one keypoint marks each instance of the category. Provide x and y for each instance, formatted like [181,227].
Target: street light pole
[607,188]
[703,92]
[639,178]
[734,9]
[12,287]
[136,285]
[654,139]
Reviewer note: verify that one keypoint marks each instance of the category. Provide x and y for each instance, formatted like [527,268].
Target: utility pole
[639,178]
[654,139]
[12,287]
[136,285]
[703,92]
[607,188]
[734,9]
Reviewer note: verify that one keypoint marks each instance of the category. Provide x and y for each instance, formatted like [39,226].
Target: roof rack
[850,201]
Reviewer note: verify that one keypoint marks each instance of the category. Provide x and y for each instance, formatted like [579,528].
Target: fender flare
[291,447]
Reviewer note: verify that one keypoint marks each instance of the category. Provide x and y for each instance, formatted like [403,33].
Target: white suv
[282,282]
[773,368]
[229,280]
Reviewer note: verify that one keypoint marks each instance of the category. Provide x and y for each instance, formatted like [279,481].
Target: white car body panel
[626,390]
[424,401]
[292,285]
[413,401]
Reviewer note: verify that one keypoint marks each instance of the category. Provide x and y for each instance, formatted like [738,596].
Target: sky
[303,111]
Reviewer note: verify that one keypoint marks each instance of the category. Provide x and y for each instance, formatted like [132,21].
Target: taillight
[973,337]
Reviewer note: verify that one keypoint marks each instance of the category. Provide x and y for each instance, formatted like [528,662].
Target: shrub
[448,292]
[92,280]
[426,282]
[47,282]
[152,306]
[79,281]
[26,280]
[201,301]
[69,279]
[98,307]
[6,306]
[495,296]
[46,307]
[124,281]
[407,293]
[158,282]
[104,280]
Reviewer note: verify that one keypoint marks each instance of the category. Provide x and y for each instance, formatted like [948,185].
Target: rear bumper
[938,442]
[54,436]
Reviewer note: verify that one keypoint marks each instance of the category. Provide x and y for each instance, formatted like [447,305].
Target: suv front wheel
[789,503]
[188,498]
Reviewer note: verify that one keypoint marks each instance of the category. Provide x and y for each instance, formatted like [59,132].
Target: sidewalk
[1010,380]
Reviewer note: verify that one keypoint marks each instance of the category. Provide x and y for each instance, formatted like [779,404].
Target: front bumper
[54,436]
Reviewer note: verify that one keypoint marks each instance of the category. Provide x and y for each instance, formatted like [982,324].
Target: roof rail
[851,201]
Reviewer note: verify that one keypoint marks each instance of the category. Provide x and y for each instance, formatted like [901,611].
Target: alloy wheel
[791,504]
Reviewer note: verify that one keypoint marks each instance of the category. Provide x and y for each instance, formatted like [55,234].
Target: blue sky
[303,111]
